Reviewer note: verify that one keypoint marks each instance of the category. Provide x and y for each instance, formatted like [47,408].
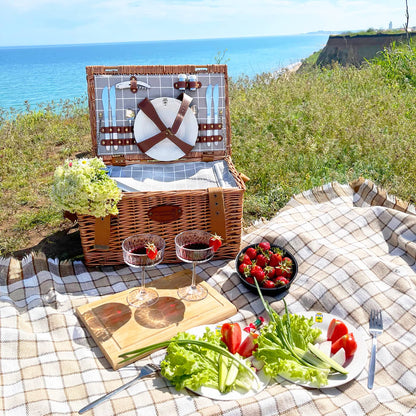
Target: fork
[376,328]
[145,371]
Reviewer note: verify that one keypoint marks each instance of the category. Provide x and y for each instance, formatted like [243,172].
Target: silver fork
[376,328]
[145,371]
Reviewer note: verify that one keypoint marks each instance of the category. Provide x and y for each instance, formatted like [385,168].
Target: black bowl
[279,291]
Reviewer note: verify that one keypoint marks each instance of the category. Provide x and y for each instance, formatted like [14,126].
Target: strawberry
[280,281]
[215,242]
[270,272]
[275,259]
[244,258]
[288,261]
[250,280]
[265,246]
[151,251]
[269,284]
[251,252]
[261,260]
[244,269]
[258,273]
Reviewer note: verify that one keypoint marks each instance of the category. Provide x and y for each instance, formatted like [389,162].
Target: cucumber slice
[325,358]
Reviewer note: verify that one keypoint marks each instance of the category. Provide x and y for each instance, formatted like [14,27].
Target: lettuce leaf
[190,365]
[275,350]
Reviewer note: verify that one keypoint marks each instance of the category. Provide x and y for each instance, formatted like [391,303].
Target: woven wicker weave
[134,207]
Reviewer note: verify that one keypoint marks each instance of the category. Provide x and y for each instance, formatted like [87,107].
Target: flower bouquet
[82,186]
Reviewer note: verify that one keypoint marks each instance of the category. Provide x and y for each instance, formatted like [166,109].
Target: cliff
[355,49]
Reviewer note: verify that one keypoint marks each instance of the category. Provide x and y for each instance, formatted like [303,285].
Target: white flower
[82,186]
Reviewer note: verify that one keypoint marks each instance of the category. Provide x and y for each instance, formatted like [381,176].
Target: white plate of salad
[215,394]
[354,364]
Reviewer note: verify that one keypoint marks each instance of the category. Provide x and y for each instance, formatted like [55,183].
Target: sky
[51,22]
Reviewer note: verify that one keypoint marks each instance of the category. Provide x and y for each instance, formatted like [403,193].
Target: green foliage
[398,63]
[289,133]
[371,32]
[301,130]
[32,143]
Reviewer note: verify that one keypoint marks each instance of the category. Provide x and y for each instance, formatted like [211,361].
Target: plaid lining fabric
[172,176]
[356,251]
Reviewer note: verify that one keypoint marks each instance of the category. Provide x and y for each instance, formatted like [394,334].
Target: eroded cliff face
[354,50]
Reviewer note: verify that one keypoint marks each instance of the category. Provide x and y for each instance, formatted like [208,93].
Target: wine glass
[193,247]
[136,254]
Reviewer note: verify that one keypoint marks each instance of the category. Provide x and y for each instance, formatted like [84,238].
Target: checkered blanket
[356,249]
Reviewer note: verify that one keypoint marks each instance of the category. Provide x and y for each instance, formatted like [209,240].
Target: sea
[33,76]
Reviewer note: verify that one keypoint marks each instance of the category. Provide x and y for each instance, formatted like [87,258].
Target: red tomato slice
[347,342]
[248,346]
[231,336]
[336,330]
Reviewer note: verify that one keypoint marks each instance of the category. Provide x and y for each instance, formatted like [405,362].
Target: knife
[113,111]
[215,96]
[104,98]
[208,99]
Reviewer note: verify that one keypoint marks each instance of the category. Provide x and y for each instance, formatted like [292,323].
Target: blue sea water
[41,74]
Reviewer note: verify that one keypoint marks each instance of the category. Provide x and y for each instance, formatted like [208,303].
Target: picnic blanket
[356,249]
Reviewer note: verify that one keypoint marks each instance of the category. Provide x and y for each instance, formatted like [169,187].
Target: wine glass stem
[193,283]
[142,286]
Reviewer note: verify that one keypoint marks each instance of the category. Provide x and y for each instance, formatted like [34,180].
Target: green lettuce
[280,359]
[190,365]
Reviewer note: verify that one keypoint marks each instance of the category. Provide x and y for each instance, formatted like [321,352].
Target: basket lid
[121,127]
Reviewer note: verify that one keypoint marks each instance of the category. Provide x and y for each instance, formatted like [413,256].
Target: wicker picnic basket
[121,100]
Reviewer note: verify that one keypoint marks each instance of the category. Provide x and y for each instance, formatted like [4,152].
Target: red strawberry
[261,260]
[151,251]
[270,272]
[269,284]
[244,269]
[275,259]
[288,261]
[265,246]
[244,259]
[251,252]
[215,242]
[258,273]
[250,280]
[286,267]
[280,281]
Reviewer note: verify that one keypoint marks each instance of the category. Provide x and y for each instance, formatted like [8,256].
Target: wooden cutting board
[117,327]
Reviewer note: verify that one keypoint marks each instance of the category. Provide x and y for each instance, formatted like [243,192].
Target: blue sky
[46,22]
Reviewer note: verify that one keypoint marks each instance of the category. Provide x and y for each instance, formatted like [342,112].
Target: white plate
[354,365]
[237,394]
[167,109]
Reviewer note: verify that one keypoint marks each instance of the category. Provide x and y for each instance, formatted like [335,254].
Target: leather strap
[217,212]
[165,133]
[102,233]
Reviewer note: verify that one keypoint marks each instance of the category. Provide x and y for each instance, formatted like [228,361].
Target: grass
[289,134]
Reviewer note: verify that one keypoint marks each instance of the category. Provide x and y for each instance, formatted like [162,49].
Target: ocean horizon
[39,74]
